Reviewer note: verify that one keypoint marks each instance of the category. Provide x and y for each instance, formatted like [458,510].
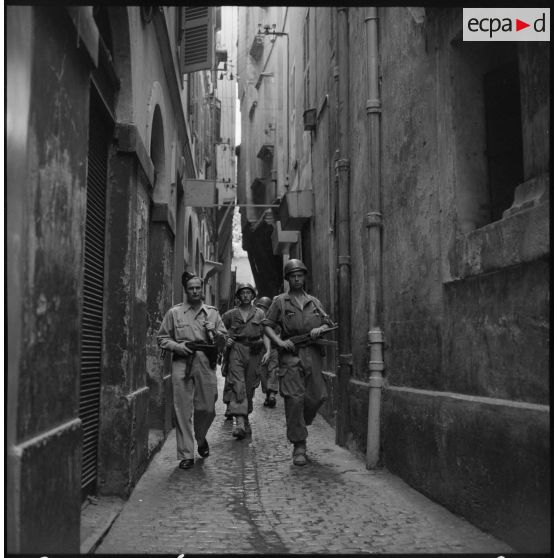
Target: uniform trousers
[268,373]
[242,379]
[194,385]
[303,388]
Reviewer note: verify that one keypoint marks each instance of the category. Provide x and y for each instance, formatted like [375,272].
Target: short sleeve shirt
[294,320]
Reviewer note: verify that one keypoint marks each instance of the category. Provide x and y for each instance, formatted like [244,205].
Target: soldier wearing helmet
[292,266]
[300,374]
[269,370]
[245,346]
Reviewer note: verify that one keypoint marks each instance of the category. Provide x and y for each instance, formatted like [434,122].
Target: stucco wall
[464,311]
[46,427]
[461,315]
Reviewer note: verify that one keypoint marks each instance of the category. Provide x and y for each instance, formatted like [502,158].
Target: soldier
[245,343]
[194,378]
[269,370]
[300,366]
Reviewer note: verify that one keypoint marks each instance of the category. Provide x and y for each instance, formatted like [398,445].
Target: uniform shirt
[184,323]
[294,320]
[237,327]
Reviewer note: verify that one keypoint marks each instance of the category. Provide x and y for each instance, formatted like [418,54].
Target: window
[197,41]
[487,127]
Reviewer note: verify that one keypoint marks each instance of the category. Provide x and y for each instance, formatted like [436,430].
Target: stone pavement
[248,497]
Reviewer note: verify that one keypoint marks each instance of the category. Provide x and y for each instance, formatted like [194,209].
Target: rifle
[225,361]
[305,338]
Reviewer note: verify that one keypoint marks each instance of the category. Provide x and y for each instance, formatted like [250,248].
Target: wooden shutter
[93,293]
[197,42]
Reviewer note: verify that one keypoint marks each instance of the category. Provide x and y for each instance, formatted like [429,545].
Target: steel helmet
[241,286]
[293,265]
[263,302]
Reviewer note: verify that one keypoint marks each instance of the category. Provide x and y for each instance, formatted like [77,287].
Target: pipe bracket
[376,335]
[344,260]
[376,365]
[374,219]
[373,106]
[342,164]
[376,381]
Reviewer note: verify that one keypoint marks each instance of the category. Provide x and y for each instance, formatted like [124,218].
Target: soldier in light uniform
[300,367]
[269,370]
[246,342]
[194,378]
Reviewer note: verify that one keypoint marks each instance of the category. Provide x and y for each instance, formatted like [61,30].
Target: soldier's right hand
[230,341]
[288,346]
[183,350]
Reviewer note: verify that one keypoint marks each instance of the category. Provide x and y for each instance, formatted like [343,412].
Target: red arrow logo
[519,25]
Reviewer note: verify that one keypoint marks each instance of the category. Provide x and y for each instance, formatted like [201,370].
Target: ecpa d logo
[506,24]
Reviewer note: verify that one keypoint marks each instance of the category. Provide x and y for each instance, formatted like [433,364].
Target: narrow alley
[355,199]
[248,497]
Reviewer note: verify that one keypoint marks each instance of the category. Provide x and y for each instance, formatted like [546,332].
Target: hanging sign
[200,193]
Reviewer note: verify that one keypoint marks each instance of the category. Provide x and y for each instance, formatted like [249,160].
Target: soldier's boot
[247,426]
[239,430]
[299,453]
[266,402]
[271,397]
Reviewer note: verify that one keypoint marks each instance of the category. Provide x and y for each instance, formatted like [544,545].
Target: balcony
[295,209]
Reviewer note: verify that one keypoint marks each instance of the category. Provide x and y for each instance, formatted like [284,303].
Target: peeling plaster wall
[48,434]
[465,312]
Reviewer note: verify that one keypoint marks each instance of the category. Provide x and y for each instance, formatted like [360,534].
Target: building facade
[410,172]
[111,112]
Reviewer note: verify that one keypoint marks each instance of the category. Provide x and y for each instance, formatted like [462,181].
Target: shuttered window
[197,44]
[93,289]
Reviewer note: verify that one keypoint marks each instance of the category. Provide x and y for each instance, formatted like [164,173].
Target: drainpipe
[342,168]
[374,227]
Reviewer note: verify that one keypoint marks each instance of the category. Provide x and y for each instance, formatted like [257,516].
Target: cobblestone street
[248,497]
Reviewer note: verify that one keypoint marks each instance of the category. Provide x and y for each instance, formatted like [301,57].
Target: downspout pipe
[342,168]
[376,364]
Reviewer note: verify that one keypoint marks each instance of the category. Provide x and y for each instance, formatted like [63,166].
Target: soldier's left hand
[316,332]
[210,326]
[265,357]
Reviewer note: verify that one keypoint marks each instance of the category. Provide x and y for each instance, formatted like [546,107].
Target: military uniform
[194,379]
[300,373]
[269,373]
[244,357]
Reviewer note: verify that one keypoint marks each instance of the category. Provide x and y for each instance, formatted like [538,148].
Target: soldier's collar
[196,311]
[288,295]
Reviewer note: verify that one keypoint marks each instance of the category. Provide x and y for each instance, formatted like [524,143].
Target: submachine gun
[305,339]
[210,349]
